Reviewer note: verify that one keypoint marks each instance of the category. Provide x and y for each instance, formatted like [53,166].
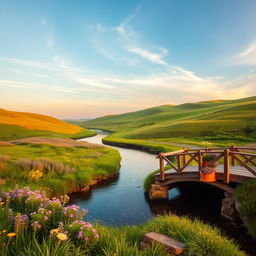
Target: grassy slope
[67,165]
[19,125]
[223,121]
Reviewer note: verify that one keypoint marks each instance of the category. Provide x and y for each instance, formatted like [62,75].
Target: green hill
[15,125]
[206,120]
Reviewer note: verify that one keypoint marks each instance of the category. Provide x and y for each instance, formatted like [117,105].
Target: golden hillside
[37,122]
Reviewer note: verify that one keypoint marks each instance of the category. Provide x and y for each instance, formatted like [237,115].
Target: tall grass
[201,239]
[57,169]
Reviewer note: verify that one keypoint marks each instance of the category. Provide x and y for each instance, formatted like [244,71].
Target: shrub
[245,194]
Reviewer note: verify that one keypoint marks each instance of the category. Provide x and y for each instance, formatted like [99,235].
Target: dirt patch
[6,144]
[2,181]
[58,142]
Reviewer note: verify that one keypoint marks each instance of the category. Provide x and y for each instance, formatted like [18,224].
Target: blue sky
[75,59]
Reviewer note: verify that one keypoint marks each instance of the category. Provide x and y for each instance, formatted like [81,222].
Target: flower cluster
[32,212]
[83,231]
[35,174]
[209,157]
[208,170]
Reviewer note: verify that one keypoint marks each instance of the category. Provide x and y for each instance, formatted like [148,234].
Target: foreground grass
[55,168]
[53,229]
[201,239]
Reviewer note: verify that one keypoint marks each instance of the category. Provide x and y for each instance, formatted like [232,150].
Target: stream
[122,201]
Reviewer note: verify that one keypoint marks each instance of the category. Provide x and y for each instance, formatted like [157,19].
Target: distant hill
[206,118]
[21,124]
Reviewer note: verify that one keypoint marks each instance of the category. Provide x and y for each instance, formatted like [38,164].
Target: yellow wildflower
[4,231]
[54,231]
[62,236]
[11,234]
[36,174]
[1,203]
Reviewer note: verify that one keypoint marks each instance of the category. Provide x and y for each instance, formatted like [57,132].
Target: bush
[245,194]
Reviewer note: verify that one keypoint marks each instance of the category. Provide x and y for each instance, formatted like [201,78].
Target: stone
[172,246]
[157,192]
[228,207]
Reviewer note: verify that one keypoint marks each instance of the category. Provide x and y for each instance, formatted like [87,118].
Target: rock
[228,208]
[172,246]
[157,192]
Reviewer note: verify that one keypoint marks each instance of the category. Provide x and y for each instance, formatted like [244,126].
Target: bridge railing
[230,156]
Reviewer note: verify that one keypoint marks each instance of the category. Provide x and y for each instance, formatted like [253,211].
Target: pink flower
[80,234]
[71,215]
[86,238]
[96,236]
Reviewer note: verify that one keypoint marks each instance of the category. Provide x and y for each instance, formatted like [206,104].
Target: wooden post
[161,162]
[179,163]
[185,156]
[233,160]
[200,160]
[226,166]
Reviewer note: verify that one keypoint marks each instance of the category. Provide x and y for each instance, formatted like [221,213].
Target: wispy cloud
[247,56]
[156,58]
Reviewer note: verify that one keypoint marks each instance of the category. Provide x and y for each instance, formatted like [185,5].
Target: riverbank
[56,165]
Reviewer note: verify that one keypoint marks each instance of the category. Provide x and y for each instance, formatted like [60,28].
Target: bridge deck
[238,174]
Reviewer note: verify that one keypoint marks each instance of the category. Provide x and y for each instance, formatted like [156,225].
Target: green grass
[201,239]
[245,194]
[219,123]
[149,179]
[65,168]
[11,132]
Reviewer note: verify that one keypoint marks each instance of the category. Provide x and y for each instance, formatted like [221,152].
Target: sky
[90,58]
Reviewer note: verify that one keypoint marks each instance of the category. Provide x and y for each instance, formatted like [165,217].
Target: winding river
[121,200]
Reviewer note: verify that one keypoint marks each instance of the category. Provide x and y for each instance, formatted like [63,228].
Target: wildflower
[96,236]
[4,231]
[54,231]
[1,203]
[86,238]
[11,234]
[62,236]
[80,234]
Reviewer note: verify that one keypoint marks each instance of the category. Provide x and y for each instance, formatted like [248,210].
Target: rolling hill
[219,119]
[21,124]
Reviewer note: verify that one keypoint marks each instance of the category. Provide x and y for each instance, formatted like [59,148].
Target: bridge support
[228,208]
[158,192]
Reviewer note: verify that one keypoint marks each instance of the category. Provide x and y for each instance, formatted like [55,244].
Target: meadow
[15,125]
[56,165]
[207,123]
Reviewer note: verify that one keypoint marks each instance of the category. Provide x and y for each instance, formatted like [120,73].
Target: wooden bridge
[237,164]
